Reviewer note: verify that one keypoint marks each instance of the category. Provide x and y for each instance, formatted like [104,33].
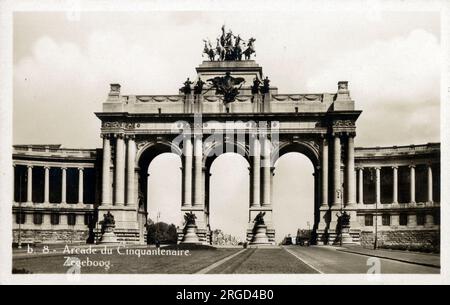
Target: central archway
[303,200]
[293,196]
[228,202]
[224,149]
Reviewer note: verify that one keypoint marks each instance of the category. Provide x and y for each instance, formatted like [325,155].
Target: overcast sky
[64,63]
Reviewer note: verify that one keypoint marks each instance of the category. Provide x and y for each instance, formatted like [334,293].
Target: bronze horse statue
[250,48]
[220,50]
[208,50]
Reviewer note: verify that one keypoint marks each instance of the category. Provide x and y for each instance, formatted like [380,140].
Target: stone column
[14,184]
[29,183]
[106,171]
[412,188]
[430,183]
[198,171]
[63,184]
[131,160]
[351,184]
[395,184]
[337,188]
[46,184]
[377,186]
[361,185]
[120,171]
[256,173]
[266,175]
[187,172]
[324,173]
[80,185]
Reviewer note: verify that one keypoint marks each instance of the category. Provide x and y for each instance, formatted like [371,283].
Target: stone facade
[427,240]
[199,127]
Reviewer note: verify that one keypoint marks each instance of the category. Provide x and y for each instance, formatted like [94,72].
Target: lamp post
[19,238]
[158,215]
[340,220]
[375,242]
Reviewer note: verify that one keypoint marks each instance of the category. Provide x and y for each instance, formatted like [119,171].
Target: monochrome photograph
[298,139]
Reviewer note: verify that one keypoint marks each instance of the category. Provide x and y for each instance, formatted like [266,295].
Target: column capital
[394,167]
[80,168]
[46,166]
[348,134]
[63,168]
[29,166]
[337,134]
[412,166]
[105,136]
[130,136]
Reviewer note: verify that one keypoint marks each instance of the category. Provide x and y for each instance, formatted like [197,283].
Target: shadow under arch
[309,150]
[145,155]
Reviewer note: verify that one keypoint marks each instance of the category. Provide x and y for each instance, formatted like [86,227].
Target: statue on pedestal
[199,86]
[260,230]
[108,224]
[266,86]
[256,84]
[344,228]
[190,229]
[186,89]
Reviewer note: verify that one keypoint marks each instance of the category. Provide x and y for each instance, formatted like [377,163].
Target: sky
[64,63]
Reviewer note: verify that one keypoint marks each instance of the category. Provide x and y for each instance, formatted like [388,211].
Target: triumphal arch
[231,106]
[388,193]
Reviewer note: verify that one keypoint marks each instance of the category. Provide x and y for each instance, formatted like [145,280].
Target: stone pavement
[424,259]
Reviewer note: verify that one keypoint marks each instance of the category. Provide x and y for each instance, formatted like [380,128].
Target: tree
[165,233]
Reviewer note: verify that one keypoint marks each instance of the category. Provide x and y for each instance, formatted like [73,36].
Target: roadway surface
[326,260]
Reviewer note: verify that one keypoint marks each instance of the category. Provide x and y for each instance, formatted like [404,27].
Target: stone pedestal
[260,235]
[108,236]
[345,235]
[190,236]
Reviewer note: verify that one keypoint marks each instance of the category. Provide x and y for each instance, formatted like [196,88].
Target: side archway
[147,152]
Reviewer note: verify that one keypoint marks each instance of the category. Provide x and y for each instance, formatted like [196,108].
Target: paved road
[328,260]
[260,261]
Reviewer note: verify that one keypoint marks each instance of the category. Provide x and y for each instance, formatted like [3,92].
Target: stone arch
[210,155]
[147,152]
[311,150]
[308,148]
